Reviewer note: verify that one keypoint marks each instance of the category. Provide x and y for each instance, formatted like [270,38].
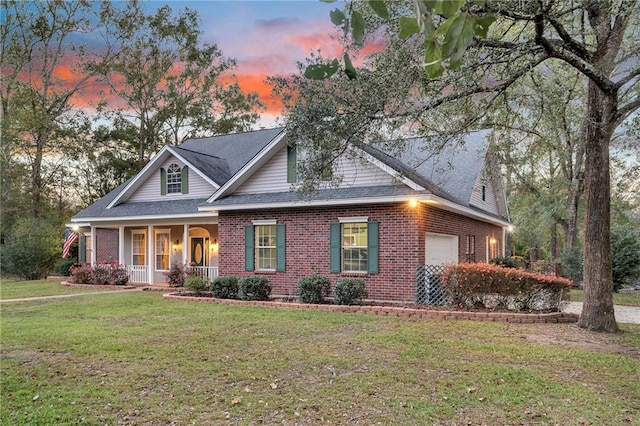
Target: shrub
[63,267]
[81,273]
[196,284]
[254,288]
[625,255]
[349,291]
[505,262]
[32,248]
[225,287]
[177,275]
[476,284]
[571,264]
[117,274]
[102,274]
[311,289]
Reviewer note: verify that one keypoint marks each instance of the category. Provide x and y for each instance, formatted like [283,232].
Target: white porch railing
[209,273]
[138,273]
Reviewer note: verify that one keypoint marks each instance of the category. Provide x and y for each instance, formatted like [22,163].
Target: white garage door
[441,249]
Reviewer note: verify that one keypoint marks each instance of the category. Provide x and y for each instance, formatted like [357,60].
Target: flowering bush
[102,274]
[81,273]
[491,286]
[177,275]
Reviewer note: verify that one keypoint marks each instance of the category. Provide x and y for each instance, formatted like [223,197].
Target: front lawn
[134,358]
[17,289]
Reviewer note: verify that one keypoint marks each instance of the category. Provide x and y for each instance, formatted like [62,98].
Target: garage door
[441,249]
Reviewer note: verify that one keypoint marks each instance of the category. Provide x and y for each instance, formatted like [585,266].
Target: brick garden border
[115,287]
[511,317]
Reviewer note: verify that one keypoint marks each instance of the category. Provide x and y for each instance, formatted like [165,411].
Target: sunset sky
[266,37]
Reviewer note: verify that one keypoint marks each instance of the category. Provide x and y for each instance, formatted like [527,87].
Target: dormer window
[174,179]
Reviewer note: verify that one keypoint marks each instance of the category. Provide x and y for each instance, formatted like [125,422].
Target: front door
[198,251]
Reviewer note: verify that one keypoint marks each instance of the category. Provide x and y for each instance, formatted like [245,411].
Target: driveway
[624,314]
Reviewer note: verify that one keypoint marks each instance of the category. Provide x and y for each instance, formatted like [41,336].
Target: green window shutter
[249,247]
[82,249]
[184,176]
[334,248]
[163,181]
[372,247]
[280,248]
[291,164]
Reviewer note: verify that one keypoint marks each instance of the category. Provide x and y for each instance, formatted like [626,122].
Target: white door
[441,249]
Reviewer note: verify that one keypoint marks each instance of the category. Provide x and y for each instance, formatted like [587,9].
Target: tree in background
[501,42]
[173,86]
[46,67]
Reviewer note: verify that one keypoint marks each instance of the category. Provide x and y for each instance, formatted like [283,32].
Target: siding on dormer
[272,176]
[150,189]
[490,203]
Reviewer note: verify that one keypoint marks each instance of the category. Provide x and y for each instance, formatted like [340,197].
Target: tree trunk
[597,312]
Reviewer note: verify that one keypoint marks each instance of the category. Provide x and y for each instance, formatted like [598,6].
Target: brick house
[227,205]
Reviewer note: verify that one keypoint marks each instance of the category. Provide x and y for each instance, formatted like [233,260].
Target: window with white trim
[138,248]
[163,249]
[265,246]
[174,179]
[354,247]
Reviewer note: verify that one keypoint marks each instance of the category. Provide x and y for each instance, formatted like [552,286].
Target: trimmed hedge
[313,288]
[196,284]
[225,287]
[349,291]
[254,288]
[491,286]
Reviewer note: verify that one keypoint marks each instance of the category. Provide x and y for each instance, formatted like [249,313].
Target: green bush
[625,255]
[571,264]
[505,262]
[254,288]
[32,248]
[63,267]
[196,284]
[349,291]
[313,288]
[225,287]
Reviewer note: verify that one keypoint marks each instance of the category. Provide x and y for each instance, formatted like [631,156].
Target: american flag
[72,237]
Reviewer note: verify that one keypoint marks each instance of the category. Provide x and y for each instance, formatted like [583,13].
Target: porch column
[93,246]
[185,241]
[121,245]
[151,256]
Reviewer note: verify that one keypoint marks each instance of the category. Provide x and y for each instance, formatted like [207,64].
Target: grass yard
[625,299]
[17,289]
[136,359]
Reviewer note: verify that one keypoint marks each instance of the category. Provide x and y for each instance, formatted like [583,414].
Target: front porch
[139,274]
[149,251]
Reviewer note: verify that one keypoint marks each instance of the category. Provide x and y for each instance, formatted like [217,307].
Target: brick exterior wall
[401,244]
[106,245]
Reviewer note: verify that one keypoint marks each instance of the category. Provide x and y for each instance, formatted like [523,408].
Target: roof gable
[449,171]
